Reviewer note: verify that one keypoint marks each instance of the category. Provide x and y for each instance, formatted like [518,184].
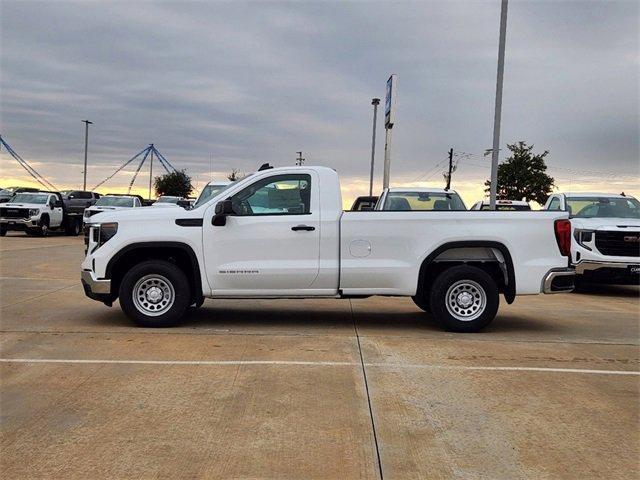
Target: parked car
[112,202]
[38,213]
[419,199]
[364,203]
[282,233]
[606,236]
[78,200]
[210,190]
[504,205]
[7,193]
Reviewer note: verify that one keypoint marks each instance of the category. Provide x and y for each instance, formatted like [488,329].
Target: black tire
[167,275]
[420,299]
[73,227]
[475,286]
[3,230]
[43,226]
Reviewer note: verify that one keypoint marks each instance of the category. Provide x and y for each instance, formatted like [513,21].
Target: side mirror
[223,209]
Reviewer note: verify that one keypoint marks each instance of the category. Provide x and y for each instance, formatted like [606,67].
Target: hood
[606,223]
[22,205]
[142,214]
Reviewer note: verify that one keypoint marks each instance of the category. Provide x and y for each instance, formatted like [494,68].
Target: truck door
[271,242]
[55,215]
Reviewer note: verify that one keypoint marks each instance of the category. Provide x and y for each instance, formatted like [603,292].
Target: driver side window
[277,195]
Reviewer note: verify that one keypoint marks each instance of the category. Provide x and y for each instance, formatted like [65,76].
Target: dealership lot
[310,388]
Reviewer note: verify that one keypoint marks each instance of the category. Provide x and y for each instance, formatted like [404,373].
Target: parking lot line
[319,363]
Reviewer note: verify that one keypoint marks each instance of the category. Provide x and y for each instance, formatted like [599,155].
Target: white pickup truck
[606,236]
[282,233]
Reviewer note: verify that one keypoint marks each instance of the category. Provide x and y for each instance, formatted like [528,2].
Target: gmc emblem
[632,239]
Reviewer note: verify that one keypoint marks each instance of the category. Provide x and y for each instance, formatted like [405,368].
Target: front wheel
[43,227]
[155,294]
[464,299]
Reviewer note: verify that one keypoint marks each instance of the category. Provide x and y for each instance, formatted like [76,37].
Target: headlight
[106,232]
[583,237]
[97,234]
[86,214]
[33,212]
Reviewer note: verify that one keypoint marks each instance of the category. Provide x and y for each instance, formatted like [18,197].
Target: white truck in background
[419,199]
[38,213]
[111,202]
[606,236]
[281,233]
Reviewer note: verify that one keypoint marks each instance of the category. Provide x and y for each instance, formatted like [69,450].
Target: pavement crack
[366,387]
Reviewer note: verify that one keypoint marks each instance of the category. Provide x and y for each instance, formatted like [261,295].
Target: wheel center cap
[464,299]
[154,294]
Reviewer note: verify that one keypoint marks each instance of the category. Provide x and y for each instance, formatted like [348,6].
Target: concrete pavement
[324,389]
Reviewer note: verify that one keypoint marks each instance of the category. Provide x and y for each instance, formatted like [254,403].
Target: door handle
[307,228]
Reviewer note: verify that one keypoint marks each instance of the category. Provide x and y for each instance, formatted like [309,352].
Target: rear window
[115,202]
[422,201]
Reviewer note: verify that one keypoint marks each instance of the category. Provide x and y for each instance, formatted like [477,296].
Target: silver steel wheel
[466,300]
[153,295]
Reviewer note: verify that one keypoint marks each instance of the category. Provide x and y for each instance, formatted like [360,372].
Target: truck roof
[421,189]
[592,194]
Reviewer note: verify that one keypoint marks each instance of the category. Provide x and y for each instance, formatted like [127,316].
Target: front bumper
[19,223]
[615,273]
[560,280]
[96,289]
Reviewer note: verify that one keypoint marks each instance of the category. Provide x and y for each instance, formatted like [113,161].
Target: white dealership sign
[390,102]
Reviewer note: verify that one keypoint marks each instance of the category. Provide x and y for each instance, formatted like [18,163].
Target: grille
[14,212]
[618,243]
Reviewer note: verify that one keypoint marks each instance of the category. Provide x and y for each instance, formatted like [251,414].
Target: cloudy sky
[247,83]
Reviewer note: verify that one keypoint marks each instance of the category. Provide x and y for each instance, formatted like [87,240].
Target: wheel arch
[179,253]
[431,266]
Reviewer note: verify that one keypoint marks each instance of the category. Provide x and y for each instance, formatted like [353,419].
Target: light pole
[86,145]
[498,111]
[375,102]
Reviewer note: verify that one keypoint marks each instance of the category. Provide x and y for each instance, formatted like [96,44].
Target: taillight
[563,236]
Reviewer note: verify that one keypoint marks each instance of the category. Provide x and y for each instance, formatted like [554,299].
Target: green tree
[523,174]
[176,183]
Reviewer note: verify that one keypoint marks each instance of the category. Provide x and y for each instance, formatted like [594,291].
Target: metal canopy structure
[146,153]
[23,163]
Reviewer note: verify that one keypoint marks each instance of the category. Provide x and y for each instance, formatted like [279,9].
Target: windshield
[168,200]
[422,201]
[603,207]
[115,202]
[40,198]
[208,192]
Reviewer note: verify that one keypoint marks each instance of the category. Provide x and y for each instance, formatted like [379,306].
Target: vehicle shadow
[629,291]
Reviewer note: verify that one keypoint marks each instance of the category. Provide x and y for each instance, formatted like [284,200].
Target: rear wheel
[3,230]
[154,294]
[73,227]
[464,299]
